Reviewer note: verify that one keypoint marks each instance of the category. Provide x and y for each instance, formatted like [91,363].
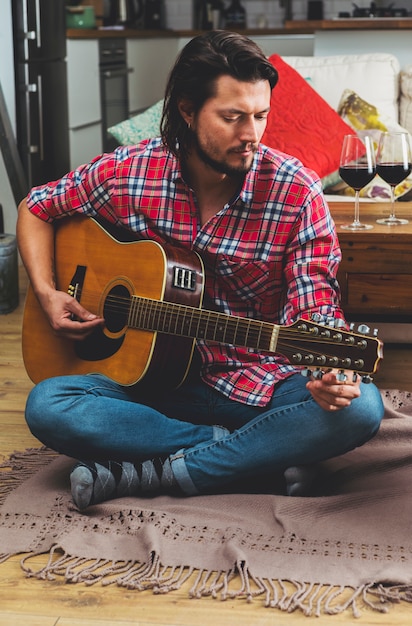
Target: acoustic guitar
[150,296]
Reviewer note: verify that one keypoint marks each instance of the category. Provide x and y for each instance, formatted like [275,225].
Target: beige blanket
[288,553]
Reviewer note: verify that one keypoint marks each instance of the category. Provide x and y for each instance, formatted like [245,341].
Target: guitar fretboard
[186,321]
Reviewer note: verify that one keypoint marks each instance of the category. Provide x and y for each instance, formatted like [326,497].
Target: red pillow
[302,124]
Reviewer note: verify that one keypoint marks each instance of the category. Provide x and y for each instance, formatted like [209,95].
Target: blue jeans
[92,417]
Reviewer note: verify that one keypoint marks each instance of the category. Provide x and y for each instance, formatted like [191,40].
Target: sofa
[317,101]
[375,77]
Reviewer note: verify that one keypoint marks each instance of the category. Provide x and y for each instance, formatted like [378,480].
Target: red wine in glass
[355,176]
[393,173]
[393,164]
[357,168]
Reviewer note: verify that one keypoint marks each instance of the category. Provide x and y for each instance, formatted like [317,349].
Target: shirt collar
[246,192]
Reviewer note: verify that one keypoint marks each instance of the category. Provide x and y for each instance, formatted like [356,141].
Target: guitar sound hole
[116,308]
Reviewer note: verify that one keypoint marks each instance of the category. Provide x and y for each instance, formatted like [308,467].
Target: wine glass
[393,164]
[357,168]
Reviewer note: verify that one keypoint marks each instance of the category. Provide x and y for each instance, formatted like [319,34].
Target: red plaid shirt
[271,254]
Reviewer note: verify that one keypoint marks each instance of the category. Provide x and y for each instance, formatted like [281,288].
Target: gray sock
[299,479]
[94,482]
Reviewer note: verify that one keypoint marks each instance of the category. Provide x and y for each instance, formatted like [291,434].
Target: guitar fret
[195,327]
[220,328]
[196,332]
[245,330]
[211,329]
[173,320]
[154,319]
[232,328]
[131,322]
[253,335]
[145,310]
[142,313]
[181,320]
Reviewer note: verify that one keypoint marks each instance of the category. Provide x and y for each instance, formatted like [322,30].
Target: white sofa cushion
[374,76]
[405,113]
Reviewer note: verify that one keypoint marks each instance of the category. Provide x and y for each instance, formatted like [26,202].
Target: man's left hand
[333,394]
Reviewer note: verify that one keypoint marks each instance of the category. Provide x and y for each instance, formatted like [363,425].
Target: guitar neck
[185,321]
[303,343]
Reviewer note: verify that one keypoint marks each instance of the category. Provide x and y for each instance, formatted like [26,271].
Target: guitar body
[150,296]
[100,271]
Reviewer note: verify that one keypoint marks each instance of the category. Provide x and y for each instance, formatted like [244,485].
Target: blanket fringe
[20,466]
[312,599]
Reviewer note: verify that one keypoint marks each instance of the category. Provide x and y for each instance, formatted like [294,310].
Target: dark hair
[204,59]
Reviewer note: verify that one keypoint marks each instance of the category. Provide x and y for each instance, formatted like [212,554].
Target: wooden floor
[31,602]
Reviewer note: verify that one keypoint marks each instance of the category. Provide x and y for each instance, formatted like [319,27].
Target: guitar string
[121,304]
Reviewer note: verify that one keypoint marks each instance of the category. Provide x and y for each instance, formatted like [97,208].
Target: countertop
[361,23]
[134,33]
[294,27]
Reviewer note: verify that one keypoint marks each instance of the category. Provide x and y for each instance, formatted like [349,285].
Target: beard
[220,165]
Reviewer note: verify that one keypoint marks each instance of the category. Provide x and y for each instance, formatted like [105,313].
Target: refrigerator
[42,126]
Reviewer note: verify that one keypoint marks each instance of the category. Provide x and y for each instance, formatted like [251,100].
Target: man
[260,223]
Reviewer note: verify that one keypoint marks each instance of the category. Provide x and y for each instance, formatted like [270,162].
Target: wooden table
[376,270]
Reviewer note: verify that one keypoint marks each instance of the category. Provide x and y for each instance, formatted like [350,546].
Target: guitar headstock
[312,345]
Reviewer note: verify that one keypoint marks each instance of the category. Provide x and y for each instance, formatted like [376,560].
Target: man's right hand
[67,317]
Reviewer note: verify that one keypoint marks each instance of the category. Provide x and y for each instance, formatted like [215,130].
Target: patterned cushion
[143,126]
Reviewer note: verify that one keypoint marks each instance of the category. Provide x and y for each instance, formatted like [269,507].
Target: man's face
[228,128]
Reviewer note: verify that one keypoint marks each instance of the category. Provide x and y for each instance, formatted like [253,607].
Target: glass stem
[356,219]
[392,215]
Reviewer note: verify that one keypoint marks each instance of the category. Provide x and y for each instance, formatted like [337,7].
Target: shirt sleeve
[86,190]
[312,262]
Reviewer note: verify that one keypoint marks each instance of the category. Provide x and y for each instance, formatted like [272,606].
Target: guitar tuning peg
[375,332]
[317,373]
[316,317]
[341,376]
[351,326]
[306,372]
[364,329]
[367,379]
[339,323]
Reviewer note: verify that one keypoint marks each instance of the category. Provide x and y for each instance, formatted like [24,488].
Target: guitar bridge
[184,278]
[76,283]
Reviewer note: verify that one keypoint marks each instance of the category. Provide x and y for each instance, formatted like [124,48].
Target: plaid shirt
[270,254]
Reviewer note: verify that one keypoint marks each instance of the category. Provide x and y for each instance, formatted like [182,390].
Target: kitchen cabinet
[85,125]
[85,144]
[285,45]
[149,62]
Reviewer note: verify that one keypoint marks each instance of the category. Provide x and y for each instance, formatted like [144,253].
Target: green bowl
[80,17]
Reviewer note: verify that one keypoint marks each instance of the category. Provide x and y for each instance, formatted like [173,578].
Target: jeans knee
[38,410]
[368,411]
